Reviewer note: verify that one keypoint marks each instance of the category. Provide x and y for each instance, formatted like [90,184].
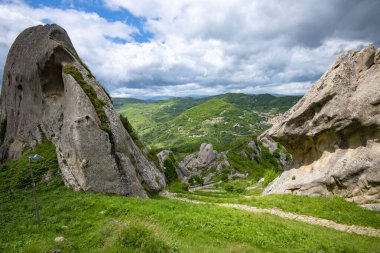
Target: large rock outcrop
[47,90]
[207,164]
[333,132]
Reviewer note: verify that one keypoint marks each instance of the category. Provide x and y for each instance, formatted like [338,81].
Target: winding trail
[360,230]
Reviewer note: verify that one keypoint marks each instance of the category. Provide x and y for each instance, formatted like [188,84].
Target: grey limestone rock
[42,94]
[207,164]
[333,133]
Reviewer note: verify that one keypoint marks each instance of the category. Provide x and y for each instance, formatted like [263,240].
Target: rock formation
[47,90]
[206,164]
[333,132]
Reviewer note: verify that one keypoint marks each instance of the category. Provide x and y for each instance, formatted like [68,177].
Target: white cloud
[88,31]
[207,47]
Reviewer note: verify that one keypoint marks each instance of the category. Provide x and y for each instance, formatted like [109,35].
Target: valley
[183,124]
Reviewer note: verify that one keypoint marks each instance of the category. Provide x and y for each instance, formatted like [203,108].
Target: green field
[104,223]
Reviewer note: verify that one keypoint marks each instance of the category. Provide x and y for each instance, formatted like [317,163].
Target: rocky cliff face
[333,132]
[47,90]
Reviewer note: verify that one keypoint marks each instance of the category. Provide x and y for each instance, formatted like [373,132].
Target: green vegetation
[182,124]
[109,223]
[195,180]
[178,186]
[151,154]
[131,131]
[14,174]
[234,187]
[91,94]
[140,238]
[238,159]
[170,170]
[104,223]
[269,176]
[331,208]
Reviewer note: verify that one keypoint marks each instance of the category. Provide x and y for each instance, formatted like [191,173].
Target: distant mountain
[182,124]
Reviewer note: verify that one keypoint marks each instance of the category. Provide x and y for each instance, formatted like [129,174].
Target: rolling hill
[182,124]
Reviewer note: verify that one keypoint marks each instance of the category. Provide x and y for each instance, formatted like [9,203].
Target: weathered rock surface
[333,132]
[39,97]
[207,163]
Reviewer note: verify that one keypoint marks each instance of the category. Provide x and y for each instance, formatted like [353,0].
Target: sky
[159,48]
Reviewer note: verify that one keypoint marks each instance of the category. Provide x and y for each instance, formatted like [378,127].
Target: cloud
[200,47]
[88,31]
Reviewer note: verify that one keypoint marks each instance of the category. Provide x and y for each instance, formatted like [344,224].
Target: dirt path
[360,230]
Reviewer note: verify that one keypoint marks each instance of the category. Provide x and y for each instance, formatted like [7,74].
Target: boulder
[207,154]
[48,91]
[59,239]
[333,133]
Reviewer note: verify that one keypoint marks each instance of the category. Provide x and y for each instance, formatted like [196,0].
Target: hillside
[106,223]
[182,124]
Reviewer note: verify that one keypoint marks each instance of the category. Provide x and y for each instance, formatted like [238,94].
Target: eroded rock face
[333,132]
[47,90]
[207,163]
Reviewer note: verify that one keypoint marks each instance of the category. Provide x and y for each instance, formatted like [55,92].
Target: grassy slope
[102,223]
[105,223]
[331,208]
[182,124]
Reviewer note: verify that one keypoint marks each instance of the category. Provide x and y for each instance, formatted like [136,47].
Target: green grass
[103,223]
[91,94]
[109,223]
[332,208]
[14,174]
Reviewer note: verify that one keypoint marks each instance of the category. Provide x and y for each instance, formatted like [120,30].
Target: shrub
[229,187]
[234,187]
[269,176]
[195,180]
[170,168]
[226,171]
[224,177]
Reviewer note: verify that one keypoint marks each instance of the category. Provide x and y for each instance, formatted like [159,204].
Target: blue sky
[150,48]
